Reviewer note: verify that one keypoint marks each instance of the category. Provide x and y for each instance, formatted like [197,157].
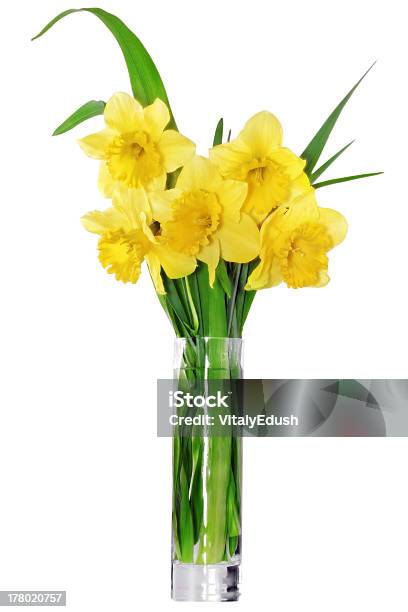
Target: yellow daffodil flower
[202,216]
[258,158]
[127,239]
[294,245]
[135,148]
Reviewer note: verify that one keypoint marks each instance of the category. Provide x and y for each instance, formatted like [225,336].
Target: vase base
[218,582]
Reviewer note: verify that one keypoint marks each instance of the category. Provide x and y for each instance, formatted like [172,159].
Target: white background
[85,483]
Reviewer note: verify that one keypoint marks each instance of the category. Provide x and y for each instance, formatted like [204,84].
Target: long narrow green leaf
[217,311]
[233,518]
[219,130]
[185,522]
[237,270]
[195,293]
[145,79]
[315,147]
[170,314]
[248,296]
[344,179]
[329,162]
[222,275]
[175,302]
[204,290]
[83,113]
[248,299]
[195,321]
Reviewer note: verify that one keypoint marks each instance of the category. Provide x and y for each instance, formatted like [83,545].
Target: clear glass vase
[207,479]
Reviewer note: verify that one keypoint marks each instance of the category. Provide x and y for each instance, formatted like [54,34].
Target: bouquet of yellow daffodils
[212,231]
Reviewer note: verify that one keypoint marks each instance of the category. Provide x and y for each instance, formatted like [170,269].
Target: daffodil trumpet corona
[211,231]
[135,148]
[128,236]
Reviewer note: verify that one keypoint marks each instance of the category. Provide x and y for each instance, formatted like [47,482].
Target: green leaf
[329,162]
[145,79]
[248,299]
[194,319]
[192,281]
[238,270]
[204,290]
[175,303]
[344,179]
[185,522]
[219,130]
[170,314]
[216,311]
[315,147]
[233,519]
[197,497]
[83,113]
[222,275]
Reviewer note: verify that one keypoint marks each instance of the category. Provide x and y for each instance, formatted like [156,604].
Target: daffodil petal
[324,279]
[266,274]
[292,164]
[210,255]
[259,203]
[161,202]
[123,113]
[156,116]
[155,268]
[175,149]
[132,203]
[239,242]
[335,223]
[175,265]
[231,157]
[199,173]
[106,183]
[303,209]
[262,133]
[99,222]
[299,185]
[157,184]
[95,145]
[270,227]
[147,230]
[231,195]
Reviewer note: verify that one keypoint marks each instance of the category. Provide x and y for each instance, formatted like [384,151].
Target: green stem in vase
[217,470]
[206,468]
